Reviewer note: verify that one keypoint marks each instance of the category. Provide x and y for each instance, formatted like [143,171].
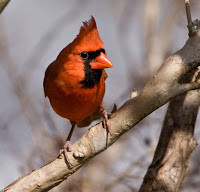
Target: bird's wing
[105,75]
[46,77]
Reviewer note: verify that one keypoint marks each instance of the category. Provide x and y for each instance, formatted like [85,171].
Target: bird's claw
[106,124]
[106,116]
[68,146]
[65,151]
[113,110]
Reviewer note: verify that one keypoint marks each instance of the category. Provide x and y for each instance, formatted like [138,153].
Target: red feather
[63,78]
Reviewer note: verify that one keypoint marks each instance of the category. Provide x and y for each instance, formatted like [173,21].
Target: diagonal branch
[165,85]
[171,160]
[3,4]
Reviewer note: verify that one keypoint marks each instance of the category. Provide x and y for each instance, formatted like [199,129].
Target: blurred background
[138,35]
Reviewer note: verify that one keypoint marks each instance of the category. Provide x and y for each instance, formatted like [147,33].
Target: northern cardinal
[75,81]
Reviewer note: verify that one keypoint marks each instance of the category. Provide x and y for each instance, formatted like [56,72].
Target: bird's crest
[87,27]
[88,38]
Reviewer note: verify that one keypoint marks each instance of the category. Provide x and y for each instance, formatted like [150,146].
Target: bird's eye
[84,55]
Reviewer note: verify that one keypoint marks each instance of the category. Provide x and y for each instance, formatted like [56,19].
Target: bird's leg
[68,146]
[105,118]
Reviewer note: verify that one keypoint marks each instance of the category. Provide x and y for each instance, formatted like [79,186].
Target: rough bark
[171,159]
[164,86]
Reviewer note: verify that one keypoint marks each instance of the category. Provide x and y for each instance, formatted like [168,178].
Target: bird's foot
[65,151]
[113,110]
[105,119]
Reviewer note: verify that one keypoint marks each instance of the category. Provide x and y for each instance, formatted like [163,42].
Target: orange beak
[101,62]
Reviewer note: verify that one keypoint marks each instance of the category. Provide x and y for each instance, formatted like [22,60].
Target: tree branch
[189,19]
[3,4]
[165,85]
[171,160]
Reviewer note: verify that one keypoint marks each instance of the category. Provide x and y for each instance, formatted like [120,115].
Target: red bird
[75,81]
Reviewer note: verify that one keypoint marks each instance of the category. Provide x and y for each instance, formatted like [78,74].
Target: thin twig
[189,18]
[3,4]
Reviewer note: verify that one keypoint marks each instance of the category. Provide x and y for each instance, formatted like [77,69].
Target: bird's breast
[75,102]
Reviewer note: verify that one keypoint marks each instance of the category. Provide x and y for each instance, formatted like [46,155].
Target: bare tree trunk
[176,143]
[171,159]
